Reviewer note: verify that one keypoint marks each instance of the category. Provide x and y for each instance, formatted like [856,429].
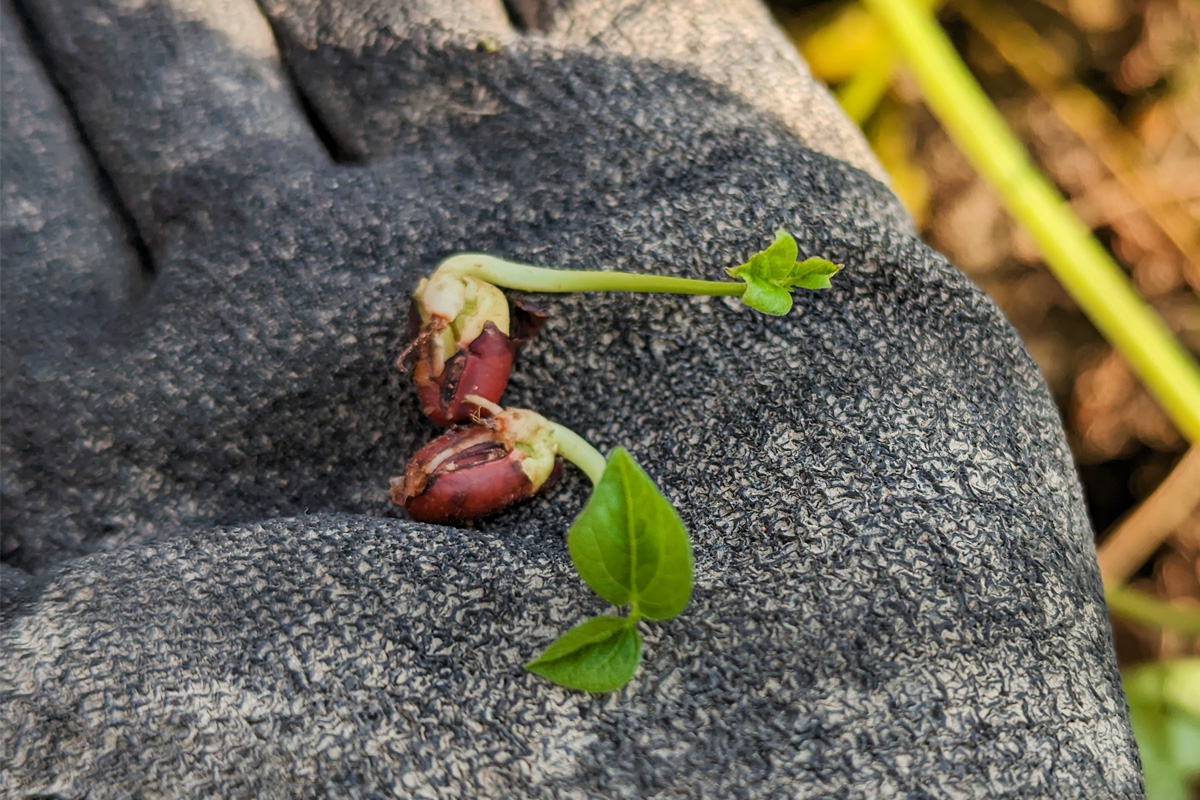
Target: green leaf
[598,655]
[778,259]
[771,275]
[767,297]
[629,544]
[814,273]
[1163,710]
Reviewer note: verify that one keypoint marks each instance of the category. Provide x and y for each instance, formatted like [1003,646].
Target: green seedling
[631,548]
[628,544]
[767,279]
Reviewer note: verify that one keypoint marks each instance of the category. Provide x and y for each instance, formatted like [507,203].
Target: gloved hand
[205,286]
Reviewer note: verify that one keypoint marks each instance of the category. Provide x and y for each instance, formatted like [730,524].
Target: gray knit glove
[207,257]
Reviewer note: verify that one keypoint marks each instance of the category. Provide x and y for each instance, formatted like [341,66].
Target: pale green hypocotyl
[765,282]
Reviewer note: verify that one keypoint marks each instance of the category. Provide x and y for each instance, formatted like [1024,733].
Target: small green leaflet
[771,275]
[598,655]
[629,544]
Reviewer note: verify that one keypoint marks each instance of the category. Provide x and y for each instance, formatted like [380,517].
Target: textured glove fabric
[213,217]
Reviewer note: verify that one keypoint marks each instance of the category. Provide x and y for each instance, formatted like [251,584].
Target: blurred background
[1105,95]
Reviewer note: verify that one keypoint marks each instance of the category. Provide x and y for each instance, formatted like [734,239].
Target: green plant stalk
[1140,607]
[574,448]
[528,278]
[1079,262]
[863,92]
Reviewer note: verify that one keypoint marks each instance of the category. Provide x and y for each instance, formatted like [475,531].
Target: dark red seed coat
[457,497]
[475,476]
[482,369]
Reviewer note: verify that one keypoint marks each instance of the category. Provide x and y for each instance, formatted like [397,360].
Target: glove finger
[377,73]
[68,267]
[374,70]
[733,43]
[170,92]
[66,264]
